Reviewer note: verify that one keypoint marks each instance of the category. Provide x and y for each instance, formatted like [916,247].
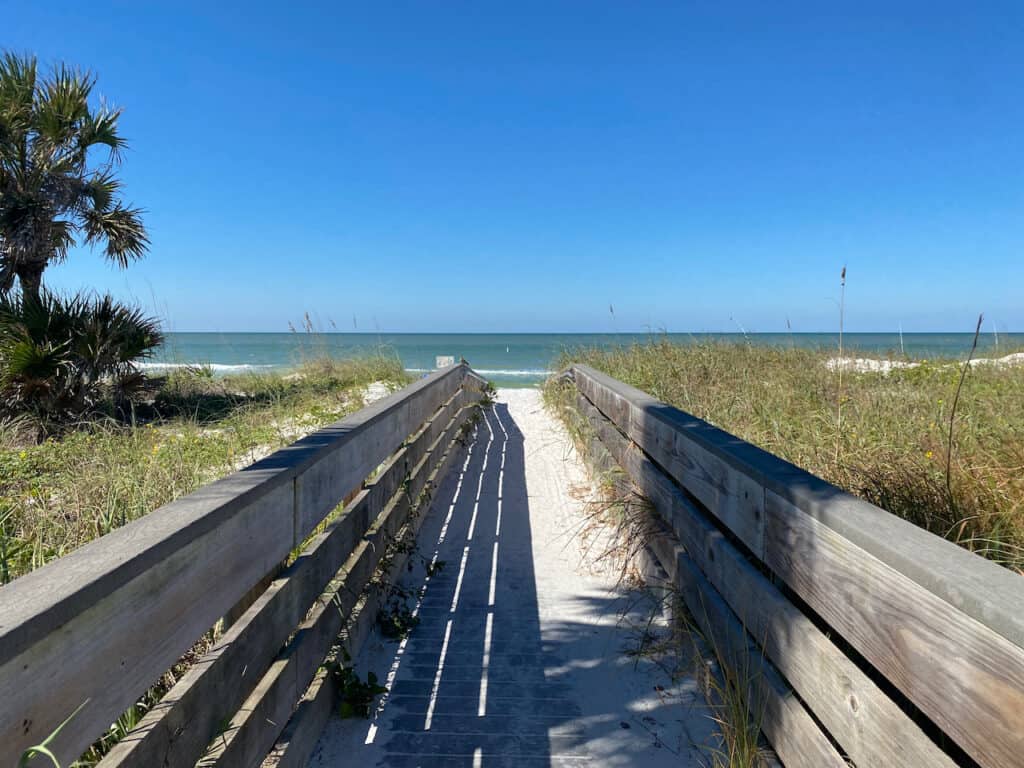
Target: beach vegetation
[190,429]
[65,359]
[894,438]
[355,695]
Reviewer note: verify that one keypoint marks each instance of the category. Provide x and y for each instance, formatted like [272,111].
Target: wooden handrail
[103,623]
[944,626]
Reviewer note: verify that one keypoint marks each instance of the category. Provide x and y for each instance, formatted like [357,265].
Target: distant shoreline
[645,333]
[518,360]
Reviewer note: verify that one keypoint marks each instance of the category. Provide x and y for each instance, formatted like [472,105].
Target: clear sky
[521,166]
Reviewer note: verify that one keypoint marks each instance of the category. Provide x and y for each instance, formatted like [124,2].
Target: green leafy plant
[396,621]
[62,358]
[44,748]
[489,394]
[355,696]
[55,193]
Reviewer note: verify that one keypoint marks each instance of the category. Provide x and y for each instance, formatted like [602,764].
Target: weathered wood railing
[878,642]
[95,629]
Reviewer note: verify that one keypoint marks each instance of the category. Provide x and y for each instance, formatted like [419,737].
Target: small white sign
[444,361]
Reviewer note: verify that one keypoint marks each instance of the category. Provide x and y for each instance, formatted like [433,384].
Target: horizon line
[897,333]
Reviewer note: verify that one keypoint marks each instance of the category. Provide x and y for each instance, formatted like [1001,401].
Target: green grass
[893,437]
[68,490]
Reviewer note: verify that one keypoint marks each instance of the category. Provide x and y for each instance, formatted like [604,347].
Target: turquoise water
[519,359]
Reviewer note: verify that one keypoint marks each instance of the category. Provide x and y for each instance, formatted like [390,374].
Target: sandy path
[520,657]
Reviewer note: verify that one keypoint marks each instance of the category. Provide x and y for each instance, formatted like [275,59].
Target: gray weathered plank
[351,451]
[101,624]
[792,732]
[114,650]
[968,679]
[857,713]
[985,718]
[179,728]
[300,736]
[259,721]
[785,722]
[978,587]
[736,498]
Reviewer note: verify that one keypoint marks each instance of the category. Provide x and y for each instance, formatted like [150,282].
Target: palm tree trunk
[30,277]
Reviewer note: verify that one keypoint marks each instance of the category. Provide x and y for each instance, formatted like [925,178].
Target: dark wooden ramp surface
[522,652]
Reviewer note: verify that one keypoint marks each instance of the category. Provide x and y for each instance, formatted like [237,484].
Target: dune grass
[891,444]
[61,493]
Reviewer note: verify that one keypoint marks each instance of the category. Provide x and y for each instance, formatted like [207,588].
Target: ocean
[520,359]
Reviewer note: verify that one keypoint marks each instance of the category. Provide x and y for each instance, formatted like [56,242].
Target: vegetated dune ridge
[889,434]
[57,494]
[876,365]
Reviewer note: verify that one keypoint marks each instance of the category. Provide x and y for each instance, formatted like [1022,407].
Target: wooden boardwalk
[521,655]
[858,638]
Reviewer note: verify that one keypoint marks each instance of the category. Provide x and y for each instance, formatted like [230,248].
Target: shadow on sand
[494,676]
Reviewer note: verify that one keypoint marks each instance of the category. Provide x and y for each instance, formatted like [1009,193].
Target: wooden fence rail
[98,627]
[879,642]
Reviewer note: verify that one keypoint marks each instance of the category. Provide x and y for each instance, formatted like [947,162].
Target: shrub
[62,358]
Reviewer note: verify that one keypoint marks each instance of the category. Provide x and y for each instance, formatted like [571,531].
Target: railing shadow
[480,681]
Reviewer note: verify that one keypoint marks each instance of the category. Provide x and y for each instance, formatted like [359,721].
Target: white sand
[520,657]
[875,365]
[867,364]
[376,391]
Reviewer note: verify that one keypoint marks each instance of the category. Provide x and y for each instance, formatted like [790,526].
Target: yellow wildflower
[928,454]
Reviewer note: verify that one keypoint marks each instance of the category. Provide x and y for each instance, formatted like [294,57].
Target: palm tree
[53,195]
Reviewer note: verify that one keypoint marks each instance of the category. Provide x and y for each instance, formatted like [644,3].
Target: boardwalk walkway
[522,652]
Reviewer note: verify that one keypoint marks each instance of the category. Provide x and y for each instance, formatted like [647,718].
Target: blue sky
[522,166]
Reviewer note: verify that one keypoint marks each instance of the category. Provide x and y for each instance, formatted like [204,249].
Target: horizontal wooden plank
[116,649]
[967,678]
[736,498]
[772,706]
[178,729]
[103,623]
[984,601]
[978,587]
[351,452]
[870,727]
[792,732]
[253,731]
[302,731]
[299,738]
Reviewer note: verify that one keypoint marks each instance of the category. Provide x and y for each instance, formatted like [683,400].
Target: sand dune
[876,365]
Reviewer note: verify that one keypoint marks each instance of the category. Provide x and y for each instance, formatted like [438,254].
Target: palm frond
[100,128]
[50,195]
[101,188]
[62,104]
[62,357]
[17,87]
[121,229]
[17,96]
[7,272]
[62,237]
